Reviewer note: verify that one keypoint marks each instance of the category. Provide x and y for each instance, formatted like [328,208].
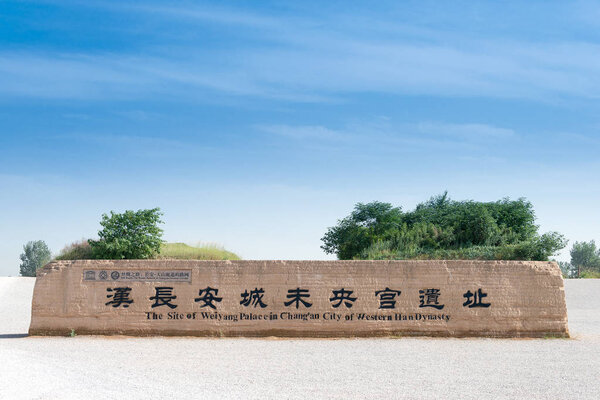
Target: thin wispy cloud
[386,135]
[297,60]
[137,145]
[306,132]
[593,141]
[206,14]
[122,77]
[466,131]
[175,10]
[289,75]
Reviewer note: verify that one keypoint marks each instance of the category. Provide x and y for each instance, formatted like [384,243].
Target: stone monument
[300,298]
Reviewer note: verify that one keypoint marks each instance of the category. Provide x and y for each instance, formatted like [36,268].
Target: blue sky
[257,126]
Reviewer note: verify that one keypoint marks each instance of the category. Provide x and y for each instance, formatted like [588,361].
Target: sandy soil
[193,368]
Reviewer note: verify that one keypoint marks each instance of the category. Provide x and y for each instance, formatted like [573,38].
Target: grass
[81,250]
[554,336]
[590,274]
[182,251]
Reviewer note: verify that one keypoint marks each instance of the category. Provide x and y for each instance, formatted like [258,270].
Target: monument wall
[300,298]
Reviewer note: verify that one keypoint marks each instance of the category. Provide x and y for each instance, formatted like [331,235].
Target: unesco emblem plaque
[164,275]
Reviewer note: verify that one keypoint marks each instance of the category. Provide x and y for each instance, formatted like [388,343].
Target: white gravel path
[195,368]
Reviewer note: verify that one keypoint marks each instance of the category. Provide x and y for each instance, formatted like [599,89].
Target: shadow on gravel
[13,335]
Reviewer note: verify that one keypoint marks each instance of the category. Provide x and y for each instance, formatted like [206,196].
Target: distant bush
[130,235]
[441,228]
[590,274]
[586,255]
[35,255]
[76,251]
[585,259]
[181,251]
[567,269]
[519,251]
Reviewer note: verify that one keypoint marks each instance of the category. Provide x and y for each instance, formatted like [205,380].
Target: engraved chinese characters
[296,297]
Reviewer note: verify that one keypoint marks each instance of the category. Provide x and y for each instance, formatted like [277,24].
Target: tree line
[439,228]
[127,235]
[442,228]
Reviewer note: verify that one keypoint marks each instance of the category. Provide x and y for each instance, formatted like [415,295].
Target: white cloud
[467,131]
[143,146]
[305,132]
[305,59]
[385,132]
[203,13]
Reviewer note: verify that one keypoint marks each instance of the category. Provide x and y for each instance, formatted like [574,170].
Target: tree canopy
[585,258]
[35,255]
[441,228]
[130,235]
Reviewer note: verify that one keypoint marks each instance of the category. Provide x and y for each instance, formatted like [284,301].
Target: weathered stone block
[300,298]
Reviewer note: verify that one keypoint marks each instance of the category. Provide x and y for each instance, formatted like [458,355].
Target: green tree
[368,223]
[442,228]
[35,255]
[130,235]
[585,256]
[567,269]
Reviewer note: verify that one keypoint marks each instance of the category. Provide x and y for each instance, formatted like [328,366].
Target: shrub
[567,269]
[442,228]
[520,251]
[585,256]
[76,251]
[35,255]
[590,274]
[130,235]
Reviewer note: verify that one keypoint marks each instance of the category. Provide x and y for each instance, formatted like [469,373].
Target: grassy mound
[182,251]
[175,251]
[80,250]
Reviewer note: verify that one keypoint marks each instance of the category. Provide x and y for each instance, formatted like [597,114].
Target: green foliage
[35,255]
[590,274]
[441,228]
[130,235]
[518,251]
[367,224]
[181,251]
[585,258]
[567,269]
[76,251]
[586,255]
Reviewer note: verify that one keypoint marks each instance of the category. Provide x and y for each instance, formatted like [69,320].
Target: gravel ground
[190,368]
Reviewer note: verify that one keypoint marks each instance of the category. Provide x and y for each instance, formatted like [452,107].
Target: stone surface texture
[527,299]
